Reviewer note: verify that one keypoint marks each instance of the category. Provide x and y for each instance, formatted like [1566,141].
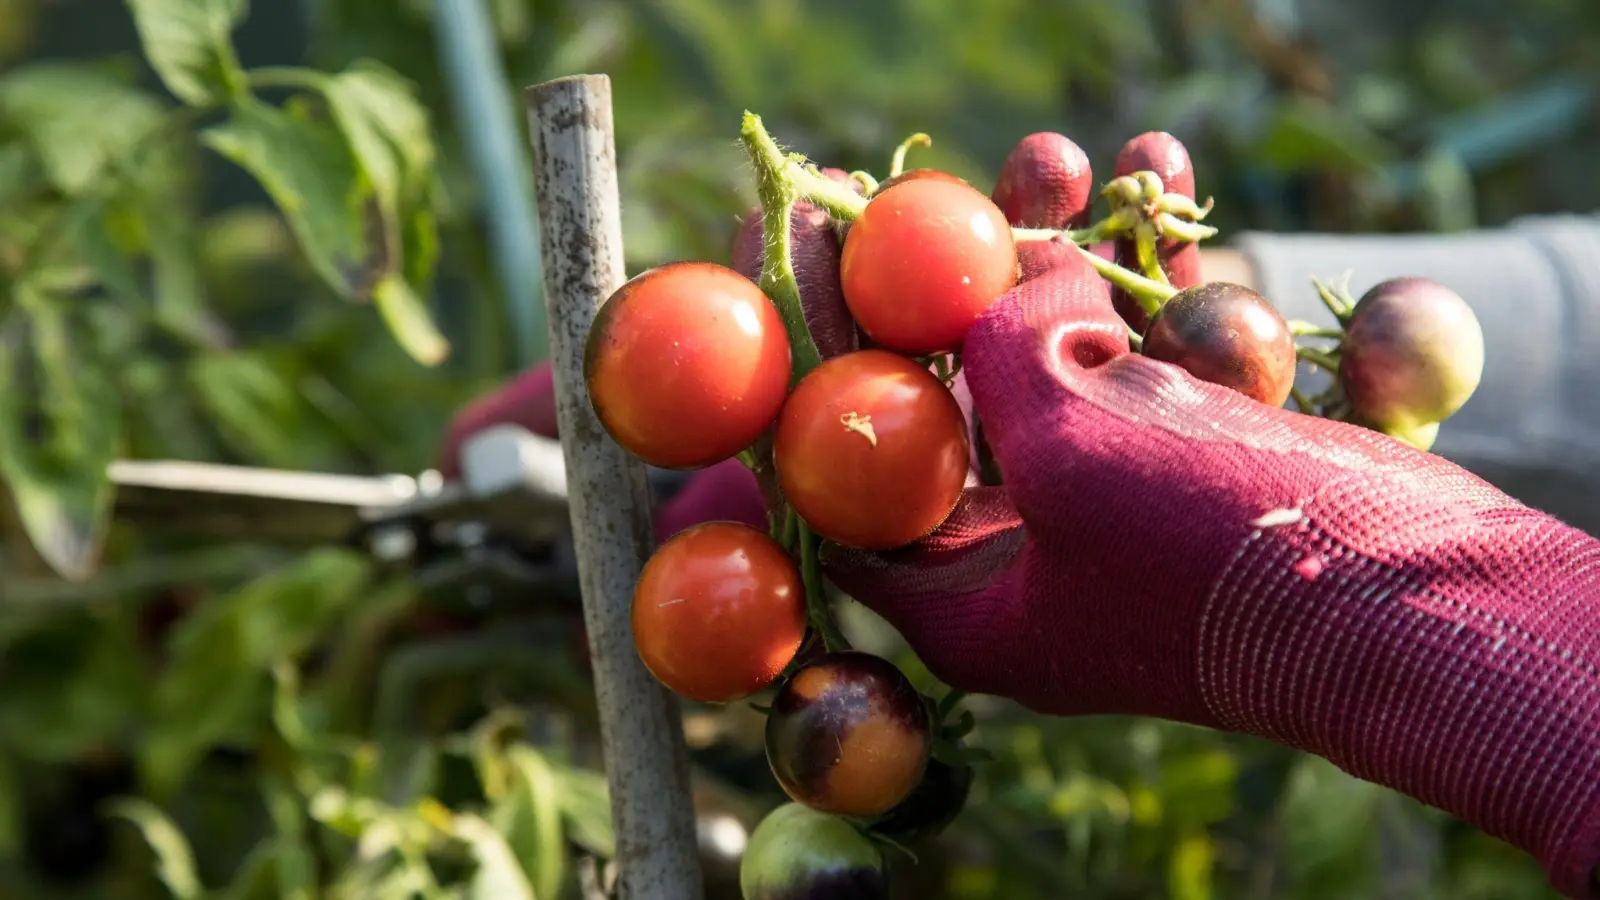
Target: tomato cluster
[824,359]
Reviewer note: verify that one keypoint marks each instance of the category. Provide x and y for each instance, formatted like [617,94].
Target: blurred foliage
[231,234]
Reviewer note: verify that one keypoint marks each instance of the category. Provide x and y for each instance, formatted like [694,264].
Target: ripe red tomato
[871,450]
[687,364]
[718,612]
[923,261]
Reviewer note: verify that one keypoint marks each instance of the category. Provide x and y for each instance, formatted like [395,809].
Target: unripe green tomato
[1418,436]
[1412,354]
[797,853]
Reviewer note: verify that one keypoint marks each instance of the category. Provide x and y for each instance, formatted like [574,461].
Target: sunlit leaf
[586,809]
[77,119]
[189,44]
[174,858]
[1189,873]
[530,819]
[308,170]
[497,877]
[408,320]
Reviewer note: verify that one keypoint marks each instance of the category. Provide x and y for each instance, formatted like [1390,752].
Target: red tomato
[718,612]
[687,364]
[871,450]
[923,261]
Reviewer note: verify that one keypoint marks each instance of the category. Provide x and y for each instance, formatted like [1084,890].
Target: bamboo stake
[641,729]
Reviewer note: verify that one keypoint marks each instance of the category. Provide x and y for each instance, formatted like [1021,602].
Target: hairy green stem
[1150,295]
[778,195]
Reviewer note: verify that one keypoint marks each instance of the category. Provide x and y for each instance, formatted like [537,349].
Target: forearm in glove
[1167,547]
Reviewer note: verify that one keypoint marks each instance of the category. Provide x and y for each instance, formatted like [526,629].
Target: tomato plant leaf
[217,677]
[174,857]
[72,682]
[408,320]
[259,412]
[586,809]
[497,877]
[11,808]
[387,128]
[530,819]
[1305,133]
[60,423]
[308,170]
[189,44]
[76,119]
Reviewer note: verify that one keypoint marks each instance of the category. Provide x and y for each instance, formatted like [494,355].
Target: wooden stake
[641,729]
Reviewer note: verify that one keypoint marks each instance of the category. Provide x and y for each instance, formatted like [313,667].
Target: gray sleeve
[1533,427]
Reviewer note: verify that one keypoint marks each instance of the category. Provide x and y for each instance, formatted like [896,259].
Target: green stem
[866,181]
[778,195]
[1150,295]
[898,163]
[1302,401]
[1302,328]
[817,599]
[1144,242]
[791,527]
[1318,358]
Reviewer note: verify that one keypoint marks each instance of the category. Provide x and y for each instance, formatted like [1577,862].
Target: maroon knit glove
[1170,548]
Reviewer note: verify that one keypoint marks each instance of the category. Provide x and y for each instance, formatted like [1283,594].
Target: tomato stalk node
[1144,242]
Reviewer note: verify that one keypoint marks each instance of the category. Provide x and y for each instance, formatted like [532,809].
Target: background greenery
[253,235]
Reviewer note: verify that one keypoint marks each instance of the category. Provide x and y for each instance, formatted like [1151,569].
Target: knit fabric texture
[1170,548]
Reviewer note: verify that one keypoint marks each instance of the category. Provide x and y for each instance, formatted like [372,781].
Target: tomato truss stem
[1150,295]
[1319,358]
[778,197]
[816,598]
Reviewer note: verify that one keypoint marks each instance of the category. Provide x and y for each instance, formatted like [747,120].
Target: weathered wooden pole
[575,181]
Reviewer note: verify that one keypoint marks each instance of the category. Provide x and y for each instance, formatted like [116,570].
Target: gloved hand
[1167,547]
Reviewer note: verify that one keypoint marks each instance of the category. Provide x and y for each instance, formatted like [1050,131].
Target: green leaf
[188,44]
[11,812]
[1189,874]
[408,320]
[174,858]
[60,424]
[259,411]
[1304,133]
[77,120]
[73,682]
[530,819]
[497,877]
[216,680]
[586,809]
[309,172]
[387,128]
